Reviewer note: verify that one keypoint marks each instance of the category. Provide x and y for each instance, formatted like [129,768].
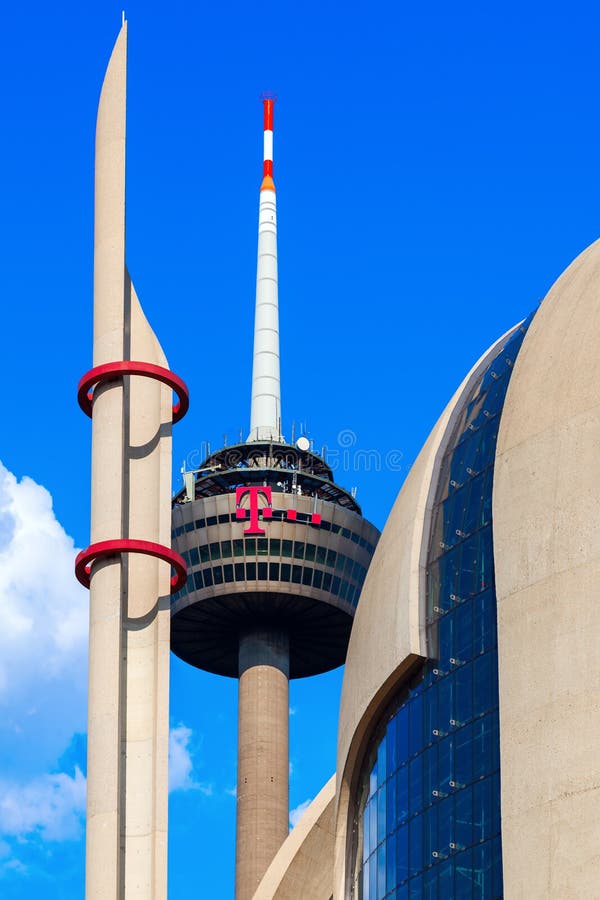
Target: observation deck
[270,541]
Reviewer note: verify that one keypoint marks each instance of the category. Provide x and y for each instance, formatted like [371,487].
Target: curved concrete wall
[547,557]
[303,867]
[388,635]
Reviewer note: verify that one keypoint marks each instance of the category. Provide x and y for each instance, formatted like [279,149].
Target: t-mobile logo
[254,492]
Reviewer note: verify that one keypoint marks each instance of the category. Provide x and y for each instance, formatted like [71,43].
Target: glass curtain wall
[427,815]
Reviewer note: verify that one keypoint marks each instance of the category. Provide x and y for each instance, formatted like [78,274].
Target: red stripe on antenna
[268,105]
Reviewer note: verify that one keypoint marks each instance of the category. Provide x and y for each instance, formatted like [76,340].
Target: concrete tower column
[128,709]
[263,755]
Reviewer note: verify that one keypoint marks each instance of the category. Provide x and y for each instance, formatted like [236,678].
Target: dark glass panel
[238,548]
[273,571]
[446,879]
[402,733]
[194,556]
[482,871]
[198,583]
[218,575]
[317,578]
[321,554]
[204,554]
[250,546]
[228,573]
[262,571]
[463,818]
[415,888]
[415,784]
[402,793]
[296,574]
[402,854]
[468,569]
[463,877]
[482,683]
[208,579]
[251,571]
[307,576]
[298,549]
[430,884]
[463,639]
[275,547]
[240,572]
[482,810]
[286,548]
[415,845]
[286,572]
[335,585]
[326,581]
[310,552]
[463,754]
[390,860]
[215,550]
[430,834]
[262,547]
[381,813]
[497,886]
[381,871]
[416,725]
[482,746]
[463,695]
[226,548]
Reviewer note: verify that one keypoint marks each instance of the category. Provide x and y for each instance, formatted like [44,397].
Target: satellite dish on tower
[303,443]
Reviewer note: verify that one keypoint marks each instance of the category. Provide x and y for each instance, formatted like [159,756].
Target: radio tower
[277,554]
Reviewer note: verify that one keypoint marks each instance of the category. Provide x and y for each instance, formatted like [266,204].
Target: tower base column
[263,755]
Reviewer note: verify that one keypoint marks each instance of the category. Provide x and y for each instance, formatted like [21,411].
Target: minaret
[265,412]
[128,565]
[277,554]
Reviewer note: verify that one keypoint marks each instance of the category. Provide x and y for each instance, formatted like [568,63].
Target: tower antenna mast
[265,411]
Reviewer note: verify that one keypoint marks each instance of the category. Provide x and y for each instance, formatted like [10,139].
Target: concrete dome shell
[547,562]
[388,635]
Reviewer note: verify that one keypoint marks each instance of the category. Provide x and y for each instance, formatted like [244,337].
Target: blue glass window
[427,815]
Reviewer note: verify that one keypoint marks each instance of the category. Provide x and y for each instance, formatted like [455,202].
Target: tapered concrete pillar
[127,781]
[263,755]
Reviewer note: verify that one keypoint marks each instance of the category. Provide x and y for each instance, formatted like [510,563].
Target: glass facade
[427,815]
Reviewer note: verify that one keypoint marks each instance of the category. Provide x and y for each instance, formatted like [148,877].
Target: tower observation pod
[277,554]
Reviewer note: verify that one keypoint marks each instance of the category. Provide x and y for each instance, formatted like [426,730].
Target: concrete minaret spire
[265,414]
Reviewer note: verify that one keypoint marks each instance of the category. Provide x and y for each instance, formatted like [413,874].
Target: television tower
[277,554]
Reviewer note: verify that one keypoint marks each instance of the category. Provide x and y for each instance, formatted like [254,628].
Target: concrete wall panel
[547,561]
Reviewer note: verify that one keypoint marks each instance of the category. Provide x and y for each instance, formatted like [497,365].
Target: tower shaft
[265,413]
[128,710]
[263,755]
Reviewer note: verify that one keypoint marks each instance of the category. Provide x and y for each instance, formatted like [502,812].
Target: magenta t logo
[254,493]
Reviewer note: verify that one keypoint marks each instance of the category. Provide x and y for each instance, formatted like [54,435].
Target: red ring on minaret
[112,370]
[85,559]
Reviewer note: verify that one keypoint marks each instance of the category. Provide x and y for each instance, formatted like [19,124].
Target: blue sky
[437,168]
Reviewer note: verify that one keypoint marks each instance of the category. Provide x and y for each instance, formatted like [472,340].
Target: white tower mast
[265,414]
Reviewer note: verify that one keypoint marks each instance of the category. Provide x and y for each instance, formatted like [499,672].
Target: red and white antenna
[265,413]
[268,104]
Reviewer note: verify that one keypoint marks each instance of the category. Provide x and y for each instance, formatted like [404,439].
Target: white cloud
[296,814]
[51,806]
[181,766]
[43,624]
